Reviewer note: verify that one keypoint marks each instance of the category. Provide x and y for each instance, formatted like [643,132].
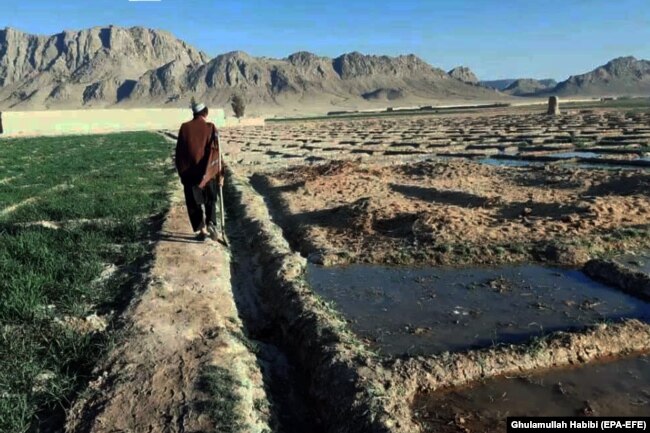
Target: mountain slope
[82,67]
[304,78]
[464,74]
[497,84]
[529,86]
[620,76]
[135,67]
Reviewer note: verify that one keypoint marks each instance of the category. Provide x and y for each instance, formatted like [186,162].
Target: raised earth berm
[345,378]
[182,362]
[629,272]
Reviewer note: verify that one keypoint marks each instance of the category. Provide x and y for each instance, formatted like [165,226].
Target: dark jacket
[194,148]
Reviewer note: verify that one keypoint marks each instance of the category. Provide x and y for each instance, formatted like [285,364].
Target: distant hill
[307,79]
[139,67]
[497,84]
[529,86]
[518,83]
[621,76]
[133,67]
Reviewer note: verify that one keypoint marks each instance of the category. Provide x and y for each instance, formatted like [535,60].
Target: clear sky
[495,38]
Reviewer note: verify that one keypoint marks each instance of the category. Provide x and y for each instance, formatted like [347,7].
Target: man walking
[197,154]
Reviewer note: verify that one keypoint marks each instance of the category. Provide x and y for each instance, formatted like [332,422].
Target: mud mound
[626,185]
[447,169]
[333,168]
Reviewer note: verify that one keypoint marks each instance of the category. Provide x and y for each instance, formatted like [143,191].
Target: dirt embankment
[182,363]
[457,212]
[414,376]
[630,281]
[346,381]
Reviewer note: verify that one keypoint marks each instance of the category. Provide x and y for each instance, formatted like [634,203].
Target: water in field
[617,388]
[423,311]
[569,155]
[509,162]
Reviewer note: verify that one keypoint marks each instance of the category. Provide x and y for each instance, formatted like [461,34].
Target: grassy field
[77,216]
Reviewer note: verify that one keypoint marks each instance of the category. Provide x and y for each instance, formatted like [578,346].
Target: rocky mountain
[306,79]
[529,86]
[94,66]
[106,66]
[464,74]
[621,76]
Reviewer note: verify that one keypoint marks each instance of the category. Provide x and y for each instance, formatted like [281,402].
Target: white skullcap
[197,108]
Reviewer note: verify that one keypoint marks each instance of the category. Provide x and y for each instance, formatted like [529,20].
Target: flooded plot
[508,162]
[424,311]
[622,388]
[569,155]
[461,198]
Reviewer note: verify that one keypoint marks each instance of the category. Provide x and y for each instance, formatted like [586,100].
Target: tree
[238,105]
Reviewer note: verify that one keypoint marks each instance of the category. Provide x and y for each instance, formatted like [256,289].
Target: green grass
[219,384]
[632,104]
[119,182]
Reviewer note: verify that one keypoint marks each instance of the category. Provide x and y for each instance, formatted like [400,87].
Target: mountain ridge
[108,66]
[112,66]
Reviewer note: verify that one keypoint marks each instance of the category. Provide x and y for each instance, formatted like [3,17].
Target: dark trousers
[195,197]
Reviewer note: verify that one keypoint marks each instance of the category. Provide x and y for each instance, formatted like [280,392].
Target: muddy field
[455,190]
[587,137]
[393,275]
[459,212]
[453,249]
[622,389]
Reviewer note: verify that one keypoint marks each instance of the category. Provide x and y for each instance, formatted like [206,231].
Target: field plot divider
[349,382]
[561,349]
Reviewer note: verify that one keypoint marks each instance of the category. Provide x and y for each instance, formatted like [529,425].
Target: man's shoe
[201,235]
[212,232]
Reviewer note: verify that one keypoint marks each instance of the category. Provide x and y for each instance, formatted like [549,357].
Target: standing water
[617,388]
[423,311]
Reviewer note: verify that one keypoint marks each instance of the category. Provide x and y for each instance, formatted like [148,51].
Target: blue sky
[495,38]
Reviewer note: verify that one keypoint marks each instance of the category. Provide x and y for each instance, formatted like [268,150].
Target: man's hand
[221,178]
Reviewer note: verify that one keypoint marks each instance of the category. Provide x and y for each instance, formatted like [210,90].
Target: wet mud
[614,388]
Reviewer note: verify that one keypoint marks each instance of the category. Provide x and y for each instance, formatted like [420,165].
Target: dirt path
[183,364]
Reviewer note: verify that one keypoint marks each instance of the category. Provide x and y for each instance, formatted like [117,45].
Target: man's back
[193,149]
